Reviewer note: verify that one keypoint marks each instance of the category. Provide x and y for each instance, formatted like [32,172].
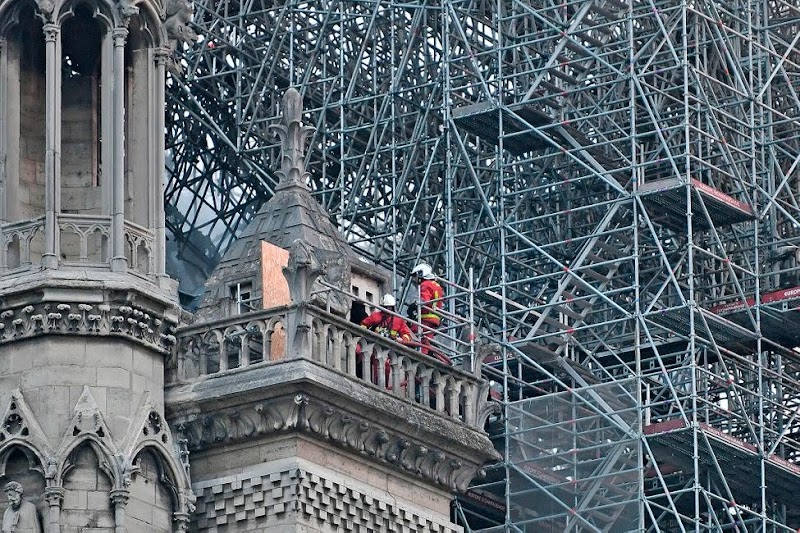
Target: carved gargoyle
[177,23]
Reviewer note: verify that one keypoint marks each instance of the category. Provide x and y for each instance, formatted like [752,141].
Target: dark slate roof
[291,214]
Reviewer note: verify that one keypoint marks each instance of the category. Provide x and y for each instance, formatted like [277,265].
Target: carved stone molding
[87,420]
[87,319]
[329,423]
[20,423]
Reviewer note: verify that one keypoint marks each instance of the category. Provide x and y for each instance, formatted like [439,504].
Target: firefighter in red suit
[389,325]
[430,301]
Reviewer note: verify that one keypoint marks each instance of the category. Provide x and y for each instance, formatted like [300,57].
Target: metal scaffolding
[619,178]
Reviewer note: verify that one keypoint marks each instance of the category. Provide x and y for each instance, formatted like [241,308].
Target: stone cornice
[72,318]
[299,396]
[453,469]
[73,306]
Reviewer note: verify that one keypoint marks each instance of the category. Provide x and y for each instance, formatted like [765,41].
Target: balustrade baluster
[411,380]
[396,363]
[425,386]
[366,356]
[203,365]
[453,393]
[223,355]
[468,393]
[381,354]
[244,353]
[438,387]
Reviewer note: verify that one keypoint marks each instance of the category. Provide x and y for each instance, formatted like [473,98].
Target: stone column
[181,521]
[119,262]
[52,123]
[119,499]
[54,497]
[3,134]
[157,188]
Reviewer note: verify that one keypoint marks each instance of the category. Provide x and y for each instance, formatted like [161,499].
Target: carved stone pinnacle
[293,136]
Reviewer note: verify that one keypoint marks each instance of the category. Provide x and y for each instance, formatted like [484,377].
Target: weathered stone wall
[52,371]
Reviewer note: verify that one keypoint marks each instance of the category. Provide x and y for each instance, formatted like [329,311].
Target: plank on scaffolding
[780,315]
[676,437]
[668,200]
[483,119]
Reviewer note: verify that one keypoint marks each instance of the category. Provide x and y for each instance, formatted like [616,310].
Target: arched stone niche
[87,488]
[21,465]
[153,494]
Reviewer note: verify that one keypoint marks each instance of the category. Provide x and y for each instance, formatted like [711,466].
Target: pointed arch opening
[153,493]
[21,465]
[87,478]
[22,106]
[83,36]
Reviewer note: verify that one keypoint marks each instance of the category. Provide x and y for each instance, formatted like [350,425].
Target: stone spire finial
[293,136]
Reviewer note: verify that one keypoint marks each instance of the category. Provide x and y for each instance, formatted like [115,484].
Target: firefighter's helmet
[424,271]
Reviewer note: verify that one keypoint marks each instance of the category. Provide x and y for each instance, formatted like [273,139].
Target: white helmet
[388,301]
[423,270]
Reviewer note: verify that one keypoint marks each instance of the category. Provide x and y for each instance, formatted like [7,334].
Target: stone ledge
[299,395]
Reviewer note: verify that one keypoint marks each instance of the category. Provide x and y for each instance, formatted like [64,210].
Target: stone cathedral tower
[87,315]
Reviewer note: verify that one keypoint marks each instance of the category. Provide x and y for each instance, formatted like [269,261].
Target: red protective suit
[429,292]
[390,326]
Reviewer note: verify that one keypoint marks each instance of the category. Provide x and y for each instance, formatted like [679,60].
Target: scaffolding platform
[482,119]
[484,503]
[719,330]
[671,442]
[780,315]
[667,200]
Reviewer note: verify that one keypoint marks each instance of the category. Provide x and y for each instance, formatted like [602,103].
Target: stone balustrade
[83,241]
[272,336]
[139,246]
[21,244]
